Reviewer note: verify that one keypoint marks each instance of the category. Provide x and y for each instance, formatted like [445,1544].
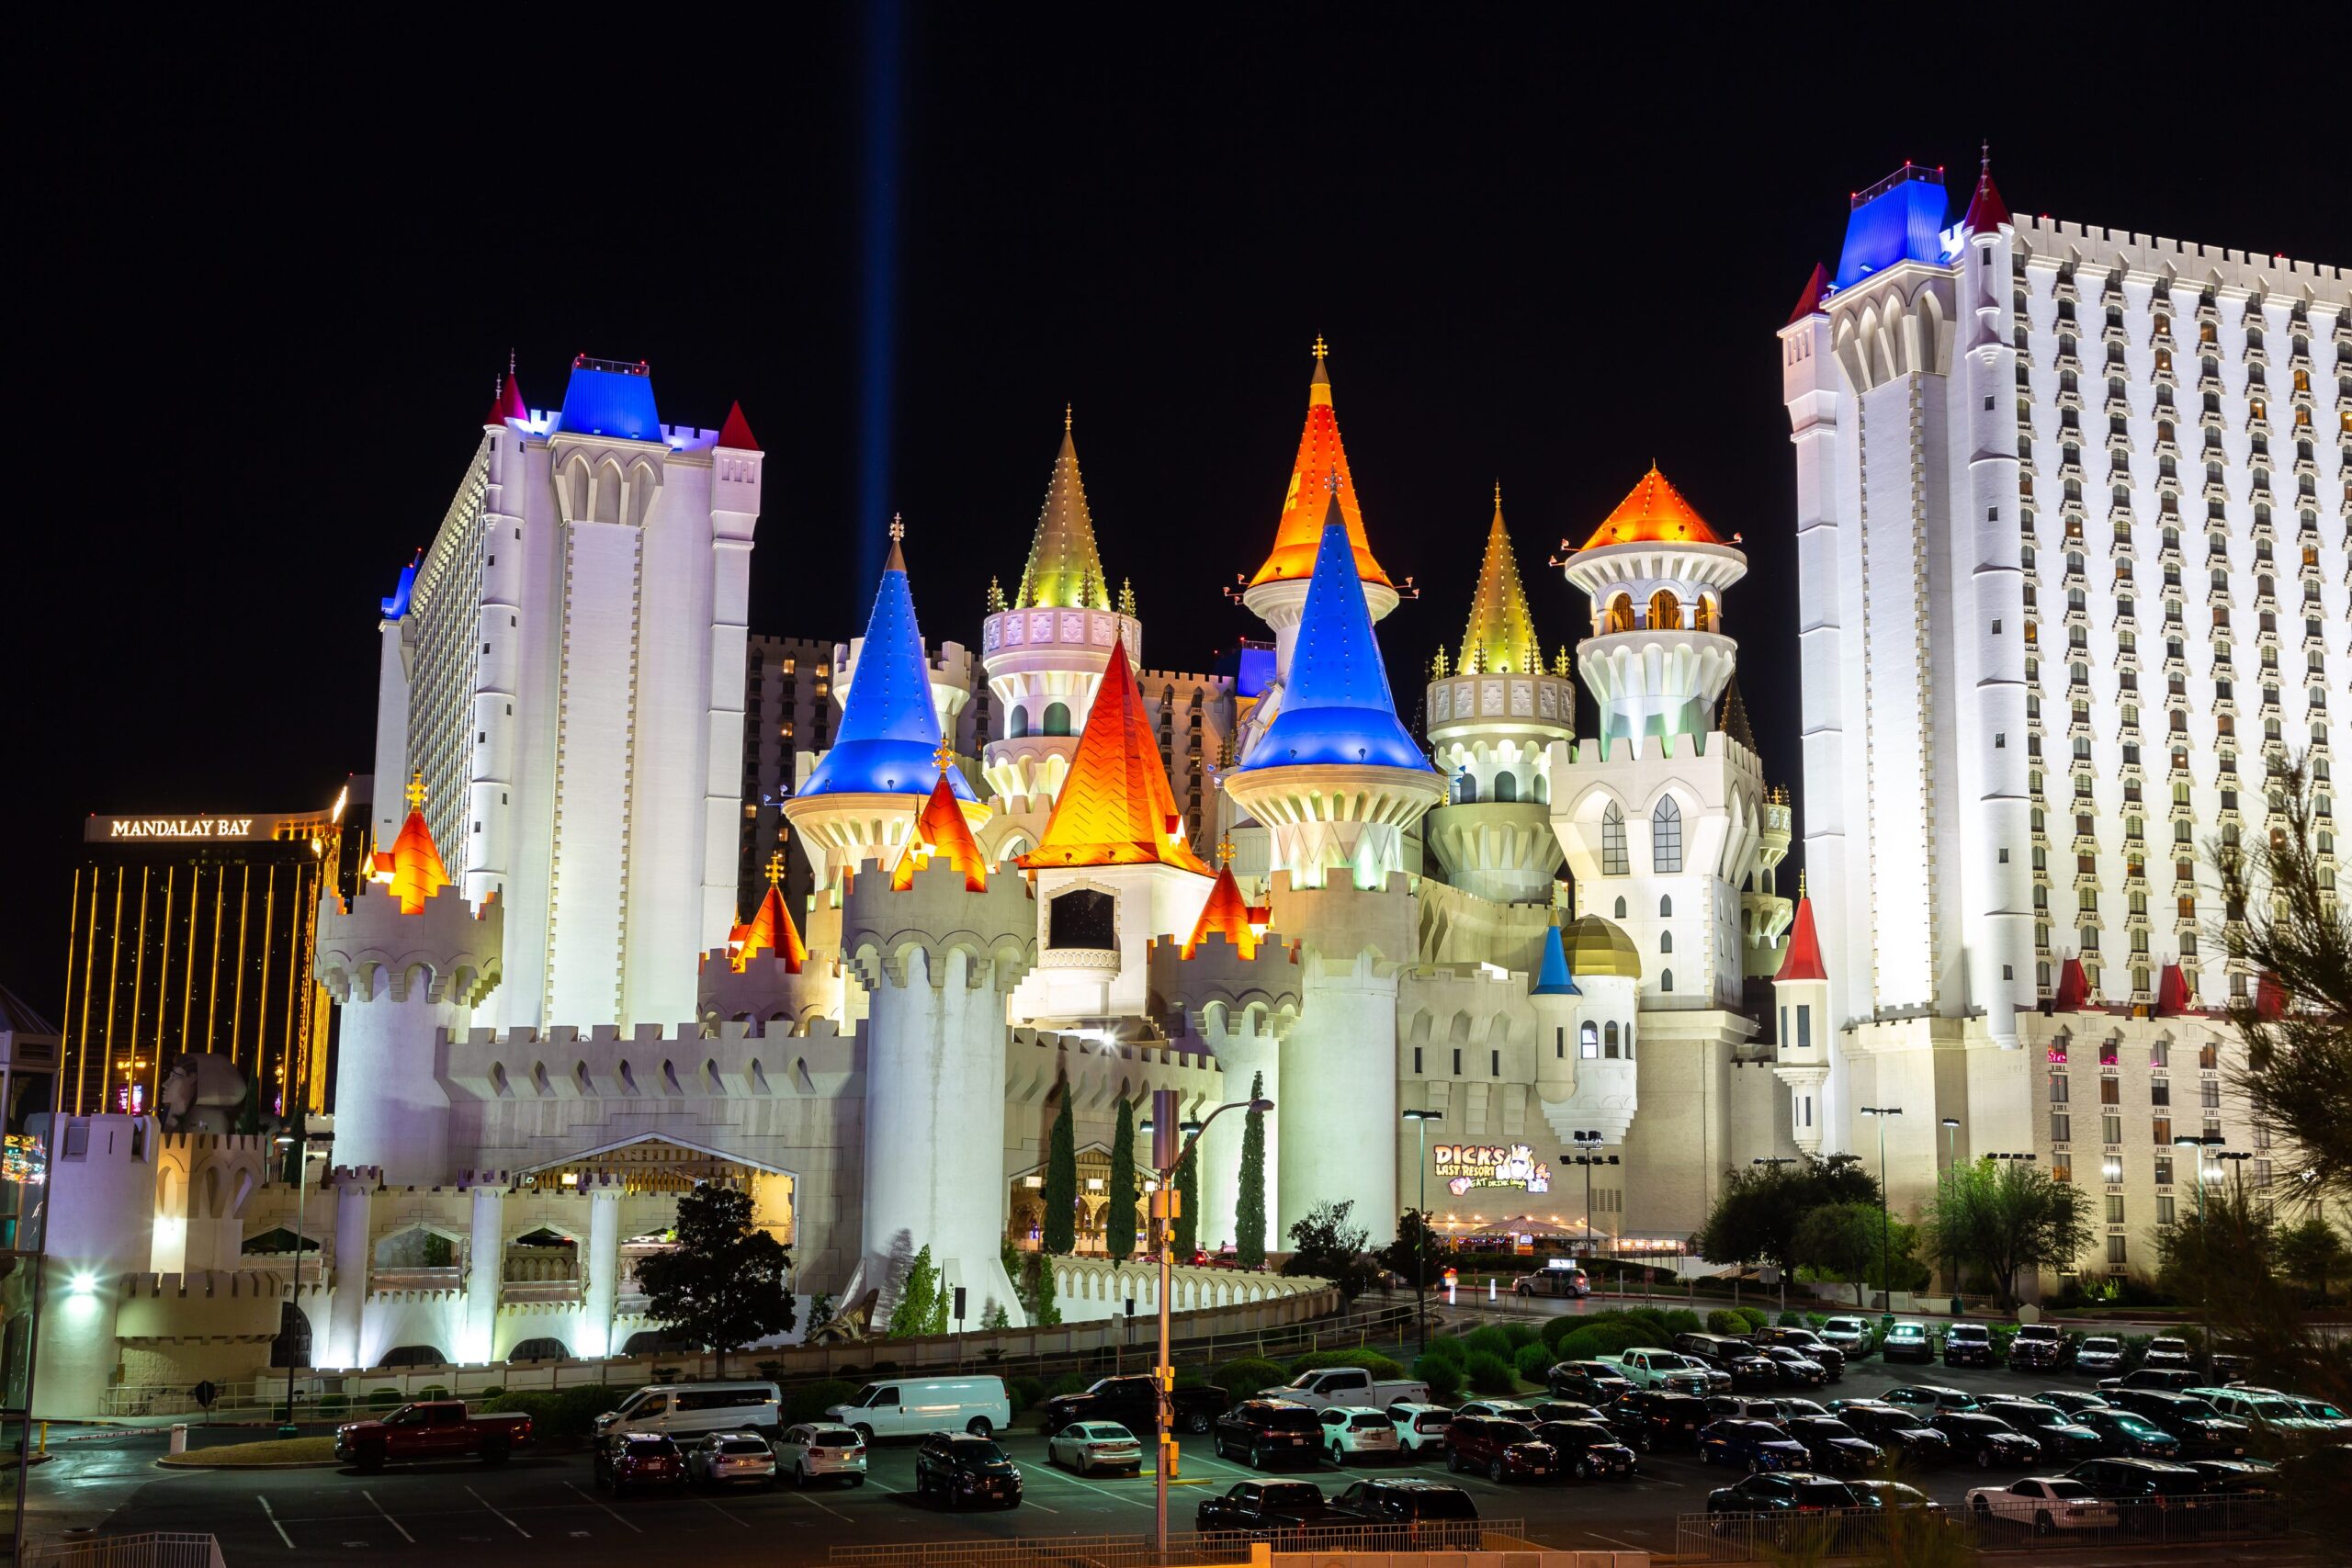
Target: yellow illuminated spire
[1501,632]
[1065,569]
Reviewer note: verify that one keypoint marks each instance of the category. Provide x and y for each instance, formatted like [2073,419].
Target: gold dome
[1595,946]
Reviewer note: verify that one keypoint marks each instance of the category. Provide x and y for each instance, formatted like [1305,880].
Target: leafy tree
[723,1284]
[1188,1201]
[996,1317]
[922,1301]
[1249,1220]
[2298,1071]
[1324,1245]
[1857,1243]
[1119,1219]
[2311,1253]
[2007,1215]
[1060,1237]
[1037,1291]
[1759,1209]
[2232,1235]
[1404,1256]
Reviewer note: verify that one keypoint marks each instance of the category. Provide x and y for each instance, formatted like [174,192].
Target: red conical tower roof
[1320,456]
[508,404]
[1227,911]
[1653,513]
[2173,998]
[1115,809]
[1987,210]
[2269,997]
[414,863]
[1810,300]
[737,432]
[940,829]
[2074,988]
[771,929]
[1803,960]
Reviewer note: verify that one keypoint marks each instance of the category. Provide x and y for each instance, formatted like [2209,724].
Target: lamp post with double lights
[1422,1119]
[1773,1161]
[1886,1282]
[1170,1141]
[297,1146]
[2204,1275]
[1951,1173]
[1587,1155]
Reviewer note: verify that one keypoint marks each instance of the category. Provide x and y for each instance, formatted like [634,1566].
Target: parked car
[1508,1409]
[1893,1427]
[2204,1432]
[2061,1436]
[2047,1503]
[1895,1496]
[1649,1419]
[2098,1354]
[2158,1499]
[1265,1431]
[1133,1404]
[1650,1366]
[1567,1410]
[1793,1368]
[1504,1450]
[2074,1402]
[1594,1382]
[1263,1510]
[1352,1431]
[1741,1406]
[432,1429]
[623,1459]
[1805,1343]
[1736,1358]
[731,1459]
[1833,1445]
[959,1468]
[1798,1405]
[1553,1280]
[1987,1438]
[2167,1351]
[1799,1492]
[2273,1414]
[1404,1501]
[2238,1477]
[2320,1410]
[1968,1345]
[1420,1426]
[2165,1379]
[1929,1397]
[1348,1386]
[1587,1449]
[687,1410]
[1084,1446]
[1907,1342]
[909,1407]
[2122,1435]
[2039,1348]
[1753,1446]
[821,1450]
[1850,1336]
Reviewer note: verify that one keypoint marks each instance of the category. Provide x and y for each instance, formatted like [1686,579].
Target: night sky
[266,281]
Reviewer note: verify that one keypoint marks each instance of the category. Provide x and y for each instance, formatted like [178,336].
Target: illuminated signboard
[23,1161]
[175,827]
[1466,1166]
[252,827]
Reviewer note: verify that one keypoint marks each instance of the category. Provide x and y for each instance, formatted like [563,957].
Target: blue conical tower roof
[1554,980]
[890,735]
[1338,708]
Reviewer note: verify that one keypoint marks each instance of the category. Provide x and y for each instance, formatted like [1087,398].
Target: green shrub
[1490,1373]
[1068,1383]
[1372,1361]
[1490,1339]
[1443,1376]
[1522,1334]
[1559,1328]
[1723,1320]
[1790,1320]
[807,1402]
[1533,1361]
[1596,1340]
[1448,1348]
[492,1391]
[334,1406]
[1193,1376]
[1816,1321]
[1679,1320]
[385,1398]
[1242,1379]
[2135,1350]
[433,1391]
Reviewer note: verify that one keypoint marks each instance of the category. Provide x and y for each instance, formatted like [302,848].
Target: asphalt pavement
[545,1507]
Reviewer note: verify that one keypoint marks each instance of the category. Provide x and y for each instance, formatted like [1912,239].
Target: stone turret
[1801,992]
[765,973]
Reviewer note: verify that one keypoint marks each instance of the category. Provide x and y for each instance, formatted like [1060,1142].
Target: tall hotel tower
[564,667]
[2071,537]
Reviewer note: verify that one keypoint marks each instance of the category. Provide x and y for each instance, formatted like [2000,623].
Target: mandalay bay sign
[1465,1166]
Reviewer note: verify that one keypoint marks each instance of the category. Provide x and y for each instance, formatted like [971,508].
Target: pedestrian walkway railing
[1193,1549]
[151,1551]
[2040,1526]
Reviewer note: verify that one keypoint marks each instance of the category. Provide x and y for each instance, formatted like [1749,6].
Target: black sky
[269,276]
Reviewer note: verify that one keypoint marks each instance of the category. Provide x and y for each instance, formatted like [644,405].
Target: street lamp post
[2204,1275]
[1422,1119]
[1885,1281]
[1783,1269]
[300,1145]
[1951,1169]
[1169,1144]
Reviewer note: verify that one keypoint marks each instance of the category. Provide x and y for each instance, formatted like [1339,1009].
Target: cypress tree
[1250,1219]
[1060,1236]
[1119,1222]
[1188,1203]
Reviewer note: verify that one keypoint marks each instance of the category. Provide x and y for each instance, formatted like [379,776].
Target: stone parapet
[1218,989]
[996,930]
[1339,920]
[453,948]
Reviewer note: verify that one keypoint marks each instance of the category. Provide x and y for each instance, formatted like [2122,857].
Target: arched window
[1666,979]
[1613,842]
[1017,724]
[1608,1047]
[1505,788]
[1629,1040]
[1466,788]
[1666,611]
[1589,1042]
[1058,719]
[1542,789]
[1665,837]
[1621,908]
[1620,614]
[1666,941]
[1666,906]
[1702,614]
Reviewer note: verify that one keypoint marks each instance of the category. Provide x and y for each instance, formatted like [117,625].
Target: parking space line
[388,1517]
[721,1512]
[509,1524]
[596,1502]
[1115,1496]
[273,1520]
[814,1504]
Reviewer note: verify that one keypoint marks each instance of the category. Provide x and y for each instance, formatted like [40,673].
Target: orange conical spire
[1321,461]
[1653,513]
[772,929]
[417,871]
[1227,911]
[1115,809]
[940,829]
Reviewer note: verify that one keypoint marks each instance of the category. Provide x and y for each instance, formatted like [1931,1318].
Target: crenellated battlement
[1216,990]
[1102,1072]
[2156,256]
[733,1058]
[939,914]
[370,948]
[1339,921]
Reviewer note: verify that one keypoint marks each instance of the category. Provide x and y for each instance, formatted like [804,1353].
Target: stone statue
[208,1093]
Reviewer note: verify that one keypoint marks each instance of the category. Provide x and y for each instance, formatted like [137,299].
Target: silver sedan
[1086,1446]
[731,1458]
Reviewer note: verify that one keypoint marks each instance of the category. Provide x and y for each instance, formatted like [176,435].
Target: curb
[169,1461]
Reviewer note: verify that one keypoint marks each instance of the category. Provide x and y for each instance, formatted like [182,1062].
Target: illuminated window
[1589,1042]
[1665,837]
[1612,843]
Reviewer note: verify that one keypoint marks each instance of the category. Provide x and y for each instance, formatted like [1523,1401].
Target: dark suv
[2060,1434]
[2204,1432]
[2158,1497]
[958,1468]
[1591,1383]
[1264,1509]
[1987,1438]
[2039,1347]
[1805,1343]
[1753,1446]
[1404,1502]
[1968,1345]
[1649,1419]
[624,1460]
[1587,1450]
[1892,1426]
[1835,1445]
[1736,1358]
[1503,1449]
[1267,1430]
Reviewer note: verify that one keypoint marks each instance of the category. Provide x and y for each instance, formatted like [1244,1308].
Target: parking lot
[545,1507]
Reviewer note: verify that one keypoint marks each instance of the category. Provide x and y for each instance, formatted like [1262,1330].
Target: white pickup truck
[1348,1386]
[1668,1371]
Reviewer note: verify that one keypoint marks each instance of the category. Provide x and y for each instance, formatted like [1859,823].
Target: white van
[690,1409]
[907,1407]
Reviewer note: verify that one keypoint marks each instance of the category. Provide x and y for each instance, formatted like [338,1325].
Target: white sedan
[2047,1503]
[1349,1430]
[1083,1446]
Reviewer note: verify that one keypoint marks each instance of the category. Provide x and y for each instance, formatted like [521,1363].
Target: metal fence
[151,1551]
[1876,1532]
[1190,1549]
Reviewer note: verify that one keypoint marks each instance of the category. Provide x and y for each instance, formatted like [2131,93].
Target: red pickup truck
[436,1429]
